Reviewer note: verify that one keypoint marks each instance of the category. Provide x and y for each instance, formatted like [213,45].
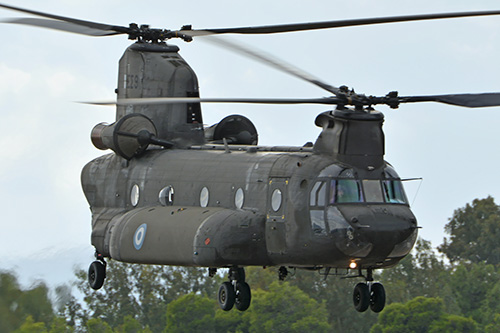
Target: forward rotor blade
[88,24]
[269,29]
[181,100]
[272,61]
[62,26]
[465,100]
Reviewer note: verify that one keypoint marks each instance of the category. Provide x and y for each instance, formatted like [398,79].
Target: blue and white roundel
[139,236]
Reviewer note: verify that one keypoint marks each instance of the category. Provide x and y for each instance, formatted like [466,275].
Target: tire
[361,297]
[97,274]
[377,297]
[243,296]
[226,296]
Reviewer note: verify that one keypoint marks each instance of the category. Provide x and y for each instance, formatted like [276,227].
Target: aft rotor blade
[269,29]
[272,61]
[465,100]
[55,18]
[181,100]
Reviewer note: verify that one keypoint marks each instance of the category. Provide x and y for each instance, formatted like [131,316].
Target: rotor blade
[466,100]
[272,61]
[62,26]
[269,29]
[88,24]
[181,100]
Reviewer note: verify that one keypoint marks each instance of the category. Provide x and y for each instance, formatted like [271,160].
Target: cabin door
[276,215]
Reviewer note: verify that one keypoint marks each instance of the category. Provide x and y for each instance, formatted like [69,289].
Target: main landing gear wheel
[97,274]
[377,297]
[235,292]
[226,296]
[243,296]
[361,297]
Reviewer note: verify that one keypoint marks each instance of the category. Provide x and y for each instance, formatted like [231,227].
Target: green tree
[36,302]
[139,291]
[452,324]
[494,325]
[59,326]
[29,326]
[336,294]
[420,315]
[97,325]
[17,305]
[490,309]
[191,313]
[282,308]
[69,308]
[232,321]
[10,292]
[472,286]
[474,233]
[286,308]
[131,325]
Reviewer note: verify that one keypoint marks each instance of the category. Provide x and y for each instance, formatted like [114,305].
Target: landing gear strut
[370,294]
[235,291]
[97,272]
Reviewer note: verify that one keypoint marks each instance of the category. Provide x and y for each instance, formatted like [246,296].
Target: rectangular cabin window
[345,191]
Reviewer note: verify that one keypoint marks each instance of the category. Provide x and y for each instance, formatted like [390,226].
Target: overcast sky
[45,135]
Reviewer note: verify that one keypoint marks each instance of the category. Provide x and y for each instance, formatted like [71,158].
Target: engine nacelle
[128,137]
[236,129]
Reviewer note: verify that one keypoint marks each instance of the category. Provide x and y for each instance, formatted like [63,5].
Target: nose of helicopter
[377,232]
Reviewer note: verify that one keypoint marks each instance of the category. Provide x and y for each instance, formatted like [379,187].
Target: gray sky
[45,135]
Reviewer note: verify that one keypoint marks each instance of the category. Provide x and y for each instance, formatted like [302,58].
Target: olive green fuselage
[216,207]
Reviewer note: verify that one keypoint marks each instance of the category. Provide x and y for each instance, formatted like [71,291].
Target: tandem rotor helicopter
[174,192]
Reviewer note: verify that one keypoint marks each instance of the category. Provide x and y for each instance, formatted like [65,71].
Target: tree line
[456,289]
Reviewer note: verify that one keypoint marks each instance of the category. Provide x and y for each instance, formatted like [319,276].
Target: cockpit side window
[393,191]
[345,191]
[318,194]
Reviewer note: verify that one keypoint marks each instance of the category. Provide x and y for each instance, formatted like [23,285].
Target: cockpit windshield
[338,185]
[366,190]
[354,191]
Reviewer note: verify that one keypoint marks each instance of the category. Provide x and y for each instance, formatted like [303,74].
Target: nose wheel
[370,294]
[235,292]
[377,297]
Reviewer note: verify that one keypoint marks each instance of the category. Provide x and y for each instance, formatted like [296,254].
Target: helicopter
[176,193]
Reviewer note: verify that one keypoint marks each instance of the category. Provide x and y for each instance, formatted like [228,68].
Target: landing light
[353,265]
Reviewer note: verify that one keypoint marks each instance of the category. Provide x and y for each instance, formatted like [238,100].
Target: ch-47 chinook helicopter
[176,193]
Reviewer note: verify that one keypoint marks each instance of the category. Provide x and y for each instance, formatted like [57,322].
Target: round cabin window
[134,195]
[204,196]
[276,200]
[239,198]
[166,196]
